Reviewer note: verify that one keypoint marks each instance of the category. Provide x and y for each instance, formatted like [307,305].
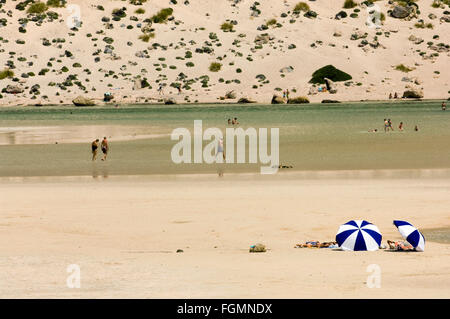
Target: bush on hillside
[329,72]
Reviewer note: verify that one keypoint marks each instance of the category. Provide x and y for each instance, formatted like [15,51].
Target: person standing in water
[400,127]
[444,107]
[105,148]
[220,150]
[390,124]
[386,125]
[94,147]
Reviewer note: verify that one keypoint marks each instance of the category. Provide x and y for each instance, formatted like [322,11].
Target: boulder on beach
[400,12]
[170,101]
[14,89]
[331,87]
[330,101]
[298,100]
[287,69]
[83,101]
[412,94]
[277,100]
[244,100]
[230,95]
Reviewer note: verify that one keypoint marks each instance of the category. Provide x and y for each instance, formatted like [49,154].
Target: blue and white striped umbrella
[411,234]
[358,235]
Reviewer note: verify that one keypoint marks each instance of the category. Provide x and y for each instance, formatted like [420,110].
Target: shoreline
[344,174]
[197,104]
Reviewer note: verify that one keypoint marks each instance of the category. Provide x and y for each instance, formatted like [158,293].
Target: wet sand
[439,235]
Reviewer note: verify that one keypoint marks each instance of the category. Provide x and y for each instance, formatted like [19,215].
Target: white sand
[373,68]
[123,233]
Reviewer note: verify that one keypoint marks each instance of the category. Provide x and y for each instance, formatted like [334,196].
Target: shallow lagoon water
[314,137]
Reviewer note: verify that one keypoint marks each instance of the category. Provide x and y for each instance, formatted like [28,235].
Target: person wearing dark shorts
[94,147]
[105,148]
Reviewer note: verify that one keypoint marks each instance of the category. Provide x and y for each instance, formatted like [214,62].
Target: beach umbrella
[411,234]
[358,235]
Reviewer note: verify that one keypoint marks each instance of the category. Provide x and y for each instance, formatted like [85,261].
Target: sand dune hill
[270,48]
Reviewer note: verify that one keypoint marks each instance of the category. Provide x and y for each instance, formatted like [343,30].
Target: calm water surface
[312,137]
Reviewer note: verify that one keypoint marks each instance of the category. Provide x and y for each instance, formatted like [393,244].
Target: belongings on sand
[258,248]
[317,244]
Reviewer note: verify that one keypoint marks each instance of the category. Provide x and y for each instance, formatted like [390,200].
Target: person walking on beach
[287,94]
[160,89]
[94,147]
[105,148]
[220,150]
[395,95]
[179,90]
[220,155]
[390,124]
[390,96]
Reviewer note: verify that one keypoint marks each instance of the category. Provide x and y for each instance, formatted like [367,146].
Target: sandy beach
[124,233]
[353,94]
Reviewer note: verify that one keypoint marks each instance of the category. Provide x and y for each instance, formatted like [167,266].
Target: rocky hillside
[221,50]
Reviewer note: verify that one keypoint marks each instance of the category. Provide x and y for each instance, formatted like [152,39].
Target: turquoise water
[312,137]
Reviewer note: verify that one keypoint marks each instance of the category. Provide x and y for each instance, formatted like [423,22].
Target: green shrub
[108,40]
[271,22]
[330,72]
[226,27]
[119,13]
[140,11]
[436,4]
[37,7]
[403,68]
[147,36]
[162,15]
[349,4]
[56,3]
[422,25]
[137,2]
[301,6]
[215,67]
[6,73]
